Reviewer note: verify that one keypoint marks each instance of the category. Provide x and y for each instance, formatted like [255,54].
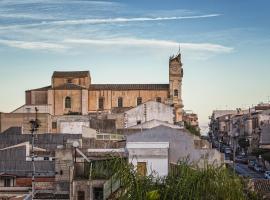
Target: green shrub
[186,183]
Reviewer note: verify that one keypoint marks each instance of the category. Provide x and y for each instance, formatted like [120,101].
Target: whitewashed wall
[73,127]
[155,165]
[148,111]
[155,154]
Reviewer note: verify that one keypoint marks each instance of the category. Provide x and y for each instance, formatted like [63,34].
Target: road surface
[243,170]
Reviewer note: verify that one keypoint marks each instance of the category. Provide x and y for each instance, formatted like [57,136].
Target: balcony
[101,169]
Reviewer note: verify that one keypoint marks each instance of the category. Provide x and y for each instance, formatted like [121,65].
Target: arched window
[120,102]
[158,99]
[67,102]
[139,100]
[101,103]
[176,93]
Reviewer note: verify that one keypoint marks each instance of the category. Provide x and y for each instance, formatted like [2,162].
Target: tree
[187,182]
[192,129]
[243,143]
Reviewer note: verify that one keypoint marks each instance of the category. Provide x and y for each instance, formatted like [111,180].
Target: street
[242,169]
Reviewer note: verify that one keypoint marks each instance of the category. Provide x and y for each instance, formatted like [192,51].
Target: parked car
[228,150]
[243,153]
[241,159]
[251,164]
[267,174]
[258,168]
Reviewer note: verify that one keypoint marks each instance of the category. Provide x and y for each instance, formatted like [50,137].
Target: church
[72,93]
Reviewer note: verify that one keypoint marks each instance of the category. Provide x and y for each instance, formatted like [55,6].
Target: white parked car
[228,150]
[267,174]
[258,168]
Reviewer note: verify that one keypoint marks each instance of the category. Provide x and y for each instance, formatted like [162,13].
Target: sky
[225,47]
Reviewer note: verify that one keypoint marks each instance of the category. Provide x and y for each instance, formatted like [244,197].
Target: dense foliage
[185,183]
[243,143]
[265,153]
[266,156]
[193,130]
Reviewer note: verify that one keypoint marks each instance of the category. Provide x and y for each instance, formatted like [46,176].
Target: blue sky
[225,47]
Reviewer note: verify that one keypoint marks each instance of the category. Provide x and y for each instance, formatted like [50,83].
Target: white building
[149,157]
[148,111]
[181,146]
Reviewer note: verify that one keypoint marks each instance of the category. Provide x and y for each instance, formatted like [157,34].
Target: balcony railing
[101,169]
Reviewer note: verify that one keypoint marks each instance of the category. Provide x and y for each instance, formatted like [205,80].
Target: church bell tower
[175,78]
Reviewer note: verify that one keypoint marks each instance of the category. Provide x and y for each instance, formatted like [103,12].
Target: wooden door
[141,168]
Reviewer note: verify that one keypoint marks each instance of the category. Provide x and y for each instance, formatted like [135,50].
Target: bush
[259,151]
[186,183]
[266,156]
[193,130]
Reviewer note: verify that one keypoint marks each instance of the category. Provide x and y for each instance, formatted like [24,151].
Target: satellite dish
[75,144]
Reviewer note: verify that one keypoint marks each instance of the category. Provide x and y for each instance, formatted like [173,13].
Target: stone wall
[63,169]
[57,99]
[8,120]
[84,81]
[129,97]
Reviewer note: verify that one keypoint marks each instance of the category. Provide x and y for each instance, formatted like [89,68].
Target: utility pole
[234,151]
[34,128]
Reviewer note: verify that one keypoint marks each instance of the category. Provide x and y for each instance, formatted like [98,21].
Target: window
[81,195]
[176,93]
[158,99]
[139,101]
[141,168]
[7,182]
[139,122]
[120,102]
[68,102]
[101,103]
[69,81]
[98,193]
[54,125]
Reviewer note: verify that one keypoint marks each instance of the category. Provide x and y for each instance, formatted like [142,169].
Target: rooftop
[73,74]
[71,86]
[129,87]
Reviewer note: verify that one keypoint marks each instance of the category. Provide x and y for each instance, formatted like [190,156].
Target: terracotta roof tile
[66,74]
[262,185]
[70,86]
[129,87]
[41,89]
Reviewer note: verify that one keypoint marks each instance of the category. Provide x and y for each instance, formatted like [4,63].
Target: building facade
[73,92]
[228,127]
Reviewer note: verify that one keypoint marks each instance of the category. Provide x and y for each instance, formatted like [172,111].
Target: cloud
[14,2]
[26,16]
[109,20]
[33,45]
[215,48]
[120,20]
[117,42]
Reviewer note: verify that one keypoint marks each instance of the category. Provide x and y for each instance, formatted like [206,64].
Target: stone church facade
[72,92]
